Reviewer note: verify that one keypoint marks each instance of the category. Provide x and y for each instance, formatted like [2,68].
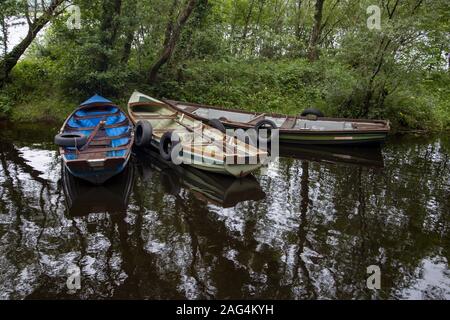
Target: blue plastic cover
[111,116]
[95,99]
[87,112]
[92,122]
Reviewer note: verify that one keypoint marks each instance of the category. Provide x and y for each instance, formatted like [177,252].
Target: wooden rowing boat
[201,146]
[308,128]
[95,140]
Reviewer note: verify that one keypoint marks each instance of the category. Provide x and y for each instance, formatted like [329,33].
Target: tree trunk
[298,26]
[246,25]
[233,28]
[315,34]
[171,40]
[108,31]
[127,46]
[258,26]
[448,61]
[169,27]
[4,27]
[130,30]
[10,59]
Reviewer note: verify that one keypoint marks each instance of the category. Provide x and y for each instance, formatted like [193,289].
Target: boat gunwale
[127,146]
[237,124]
[260,154]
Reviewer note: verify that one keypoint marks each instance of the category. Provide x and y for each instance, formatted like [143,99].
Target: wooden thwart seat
[101,139]
[365,126]
[100,143]
[256,119]
[99,150]
[289,123]
[116,125]
[157,116]
[189,109]
[108,138]
[163,129]
[93,116]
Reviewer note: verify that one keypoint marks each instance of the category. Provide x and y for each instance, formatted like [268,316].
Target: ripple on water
[313,235]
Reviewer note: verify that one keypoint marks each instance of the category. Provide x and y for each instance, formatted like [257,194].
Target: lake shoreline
[56,122]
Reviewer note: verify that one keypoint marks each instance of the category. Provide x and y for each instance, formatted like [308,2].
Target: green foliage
[271,86]
[32,93]
[289,86]
[6,105]
[245,54]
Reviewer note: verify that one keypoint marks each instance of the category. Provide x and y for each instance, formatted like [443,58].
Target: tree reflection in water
[158,232]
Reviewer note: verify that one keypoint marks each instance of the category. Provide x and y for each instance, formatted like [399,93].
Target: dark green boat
[308,128]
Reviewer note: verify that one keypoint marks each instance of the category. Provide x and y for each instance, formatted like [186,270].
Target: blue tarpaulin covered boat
[95,141]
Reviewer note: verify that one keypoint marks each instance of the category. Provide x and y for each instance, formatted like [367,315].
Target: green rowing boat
[202,146]
[308,128]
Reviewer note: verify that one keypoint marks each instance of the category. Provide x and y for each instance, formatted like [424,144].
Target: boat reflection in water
[368,156]
[312,237]
[83,198]
[218,189]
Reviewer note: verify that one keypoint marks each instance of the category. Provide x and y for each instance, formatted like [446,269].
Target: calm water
[307,227]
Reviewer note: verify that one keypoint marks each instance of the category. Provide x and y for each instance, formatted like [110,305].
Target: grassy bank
[37,92]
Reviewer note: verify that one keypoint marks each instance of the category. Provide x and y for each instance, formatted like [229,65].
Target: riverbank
[53,123]
[55,114]
[37,92]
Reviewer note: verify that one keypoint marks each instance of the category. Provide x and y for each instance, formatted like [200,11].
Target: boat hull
[105,136]
[327,138]
[334,138]
[199,161]
[237,170]
[294,129]
[99,174]
[203,142]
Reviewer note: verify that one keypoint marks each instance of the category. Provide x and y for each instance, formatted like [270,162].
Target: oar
[93,134]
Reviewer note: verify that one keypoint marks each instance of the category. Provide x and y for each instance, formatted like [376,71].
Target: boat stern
[96,171]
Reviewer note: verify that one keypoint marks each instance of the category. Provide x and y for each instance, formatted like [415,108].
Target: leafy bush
[45,89]
[269,86]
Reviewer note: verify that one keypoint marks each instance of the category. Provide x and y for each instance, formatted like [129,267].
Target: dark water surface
[307,227]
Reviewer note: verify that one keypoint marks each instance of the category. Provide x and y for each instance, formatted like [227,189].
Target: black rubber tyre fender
[265,124]
[312,111]
[143,133]
[217,124]
[166,145]
[70,139]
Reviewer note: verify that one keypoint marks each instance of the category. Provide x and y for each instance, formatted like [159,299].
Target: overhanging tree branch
[10,59]
[315,34]
[171,40]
